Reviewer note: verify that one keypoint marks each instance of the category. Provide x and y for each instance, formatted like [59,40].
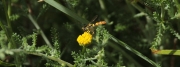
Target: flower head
[84,39]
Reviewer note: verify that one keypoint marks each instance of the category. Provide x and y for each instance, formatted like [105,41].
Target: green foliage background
[43,33]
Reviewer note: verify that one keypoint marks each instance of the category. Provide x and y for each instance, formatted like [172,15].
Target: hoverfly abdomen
[90,27]
[100,23]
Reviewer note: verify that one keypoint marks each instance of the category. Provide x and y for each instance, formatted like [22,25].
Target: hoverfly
[90,27]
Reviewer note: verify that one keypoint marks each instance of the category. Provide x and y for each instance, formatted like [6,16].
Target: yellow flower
[84,39]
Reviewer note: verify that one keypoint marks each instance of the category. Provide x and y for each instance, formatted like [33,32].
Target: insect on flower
[86,37]
[90,27]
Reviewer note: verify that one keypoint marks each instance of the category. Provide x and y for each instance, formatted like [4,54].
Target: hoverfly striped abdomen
[90,27]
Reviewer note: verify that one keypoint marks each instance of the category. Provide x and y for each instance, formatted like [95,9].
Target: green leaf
[132,50]
[66,11]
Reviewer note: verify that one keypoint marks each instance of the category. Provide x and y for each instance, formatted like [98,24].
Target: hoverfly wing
[94,19]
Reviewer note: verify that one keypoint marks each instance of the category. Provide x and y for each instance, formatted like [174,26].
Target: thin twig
[41,32]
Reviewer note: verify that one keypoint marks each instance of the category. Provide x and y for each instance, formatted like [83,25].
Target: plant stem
[138,7]
[43,55]
[65,10]
[8,29]
[103,7]
[162,12]
[132,50]
[83,49]
[41,32]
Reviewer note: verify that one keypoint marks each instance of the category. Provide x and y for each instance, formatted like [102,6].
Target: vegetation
[64,33]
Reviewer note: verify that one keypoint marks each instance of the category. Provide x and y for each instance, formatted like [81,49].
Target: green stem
[7,14]
[43,55]
[83,49]
[162,12]
[65,10]
[103,7]
[41,32]
[125,54]
[168,52]
[138,7]
[9,9]
[132,50]
[8,29]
